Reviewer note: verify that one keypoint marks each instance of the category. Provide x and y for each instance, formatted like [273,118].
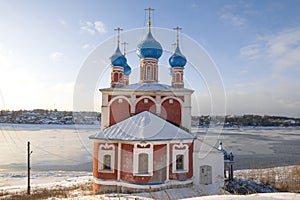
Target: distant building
[145,141]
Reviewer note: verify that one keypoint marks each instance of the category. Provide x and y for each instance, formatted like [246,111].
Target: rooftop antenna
[124,45]
[177,34]
[118,32]
[149,16]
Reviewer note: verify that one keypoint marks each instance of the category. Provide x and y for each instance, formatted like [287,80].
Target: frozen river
[61,147]
[55,147]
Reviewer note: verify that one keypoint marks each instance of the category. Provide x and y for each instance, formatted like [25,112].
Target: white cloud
[271,96]
[233,19]
[281,50]
[56,56]
[62,22]
[250,52]
[85,46]
[93,27]
[100,27]
[232,14]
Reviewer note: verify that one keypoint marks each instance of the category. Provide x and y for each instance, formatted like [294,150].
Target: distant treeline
[41,116]
[245,120]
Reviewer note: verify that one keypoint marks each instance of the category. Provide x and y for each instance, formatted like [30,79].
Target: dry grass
[280,178]
[47,193]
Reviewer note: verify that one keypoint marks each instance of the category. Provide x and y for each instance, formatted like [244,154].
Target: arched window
[178,78]
[107,162]
[106,158]
[143,159]
[143,163]
[148,72]
[179,162]
[115,77]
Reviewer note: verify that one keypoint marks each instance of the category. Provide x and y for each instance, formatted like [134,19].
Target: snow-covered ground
[16,181]
[12,182]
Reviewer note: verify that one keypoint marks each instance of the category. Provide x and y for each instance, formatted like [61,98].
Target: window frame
[180,149]
[140,150]
[106,149]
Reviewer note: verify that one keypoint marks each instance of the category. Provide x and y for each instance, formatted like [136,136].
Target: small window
[179,162]
[148,73]
[106,158]
[107,162]
[116,77]
[178,77]
[143,163]
[143,159]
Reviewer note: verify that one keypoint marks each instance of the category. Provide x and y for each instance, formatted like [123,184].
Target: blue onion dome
[127,70]
[149,48]
[177,59]
[118,59]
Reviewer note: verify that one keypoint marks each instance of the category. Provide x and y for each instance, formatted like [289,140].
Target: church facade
[145,140]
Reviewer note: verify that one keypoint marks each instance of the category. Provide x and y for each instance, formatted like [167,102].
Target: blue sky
[255,45]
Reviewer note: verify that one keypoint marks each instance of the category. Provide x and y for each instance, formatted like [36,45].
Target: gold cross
[149,16]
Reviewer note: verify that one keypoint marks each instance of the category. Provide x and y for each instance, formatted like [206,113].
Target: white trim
[136,152]
[184,150]
[168,163]
[152,142]
[119,97]
[140,186]
[106,149]
[144,97]
[173,97]
[119,161]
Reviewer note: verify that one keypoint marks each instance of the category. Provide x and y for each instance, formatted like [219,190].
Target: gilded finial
[118,32]
[177,34]
[149,16]
[124,45]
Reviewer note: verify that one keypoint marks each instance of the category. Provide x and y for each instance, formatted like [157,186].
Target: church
[145,142]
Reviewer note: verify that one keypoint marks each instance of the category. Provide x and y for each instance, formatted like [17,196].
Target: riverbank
[56,185]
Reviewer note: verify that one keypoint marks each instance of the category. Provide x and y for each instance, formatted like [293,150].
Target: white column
[158,105]
[104,117]
[104,111]
[119,161]
[132,99]
[168,163]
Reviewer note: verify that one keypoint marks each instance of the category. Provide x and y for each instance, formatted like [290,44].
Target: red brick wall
[118,111]
[159,163]
[171,111]
[126,162]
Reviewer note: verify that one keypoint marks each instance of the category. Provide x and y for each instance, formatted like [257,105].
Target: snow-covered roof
[147,87]
[144,126]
